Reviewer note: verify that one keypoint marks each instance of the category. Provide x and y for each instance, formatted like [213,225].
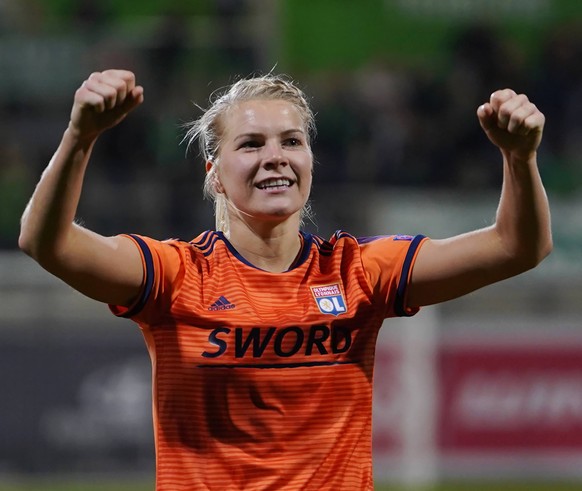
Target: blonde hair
[209,127]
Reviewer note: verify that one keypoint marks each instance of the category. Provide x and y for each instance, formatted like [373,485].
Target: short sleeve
[388,262]
[163,266]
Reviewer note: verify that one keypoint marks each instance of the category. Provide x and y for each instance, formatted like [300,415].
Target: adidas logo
[222,304]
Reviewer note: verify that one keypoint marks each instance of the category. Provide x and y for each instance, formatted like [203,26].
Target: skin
[263,139]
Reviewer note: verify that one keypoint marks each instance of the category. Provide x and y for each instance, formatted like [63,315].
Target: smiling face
[264,163]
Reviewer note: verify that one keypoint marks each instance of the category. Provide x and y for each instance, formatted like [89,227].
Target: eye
[250,144]
[293,142]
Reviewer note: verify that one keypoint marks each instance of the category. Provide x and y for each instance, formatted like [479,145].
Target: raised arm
[521,235]
[104,268]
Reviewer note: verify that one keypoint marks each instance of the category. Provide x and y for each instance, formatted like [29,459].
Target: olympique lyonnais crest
[329,299]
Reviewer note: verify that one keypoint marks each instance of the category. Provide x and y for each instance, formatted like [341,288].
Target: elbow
[35,245]
[48,249]
[37,240]
[26,238]
[534,256]
[25,244]
[546,250]
[29,246]
[42,254]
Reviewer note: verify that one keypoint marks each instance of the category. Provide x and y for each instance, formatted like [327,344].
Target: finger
[533,123]
[112,85]
[133,99]
[499,97]
[507,109]
[122,80]
[137,92]
[108,88]
[125,75]
[486,115]
[500,101]
[119,86]
[107,93]
[519,119]
[536,121]
[86,97]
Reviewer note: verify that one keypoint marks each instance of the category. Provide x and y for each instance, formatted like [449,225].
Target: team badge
[329,299]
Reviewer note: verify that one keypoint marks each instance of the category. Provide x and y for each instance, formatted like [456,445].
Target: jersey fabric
[263,381]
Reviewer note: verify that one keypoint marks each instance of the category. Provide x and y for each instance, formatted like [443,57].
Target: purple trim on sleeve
[371,238]
[399,307]
[149,281]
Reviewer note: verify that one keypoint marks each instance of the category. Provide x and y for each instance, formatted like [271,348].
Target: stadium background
[486,390]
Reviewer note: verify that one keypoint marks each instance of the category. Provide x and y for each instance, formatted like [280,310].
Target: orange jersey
[263,381]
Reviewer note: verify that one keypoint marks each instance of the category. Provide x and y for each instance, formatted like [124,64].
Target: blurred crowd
[380,124]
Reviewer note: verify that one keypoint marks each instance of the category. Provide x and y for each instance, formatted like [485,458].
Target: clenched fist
[513,123]
[104,100]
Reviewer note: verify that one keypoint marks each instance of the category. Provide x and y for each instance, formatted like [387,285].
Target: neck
[272,249]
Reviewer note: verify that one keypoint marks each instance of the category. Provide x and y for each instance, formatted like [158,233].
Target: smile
[275,183]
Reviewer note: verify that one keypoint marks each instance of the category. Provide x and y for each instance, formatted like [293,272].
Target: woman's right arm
[108,269]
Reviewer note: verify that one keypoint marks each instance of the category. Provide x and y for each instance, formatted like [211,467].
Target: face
[265,162]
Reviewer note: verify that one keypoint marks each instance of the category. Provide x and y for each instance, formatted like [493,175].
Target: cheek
[306,183]
[232,178]
[309,182]
[307,172]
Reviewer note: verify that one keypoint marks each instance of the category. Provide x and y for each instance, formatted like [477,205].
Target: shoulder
[203,244]
[382,249]
[342,238]
[174,249]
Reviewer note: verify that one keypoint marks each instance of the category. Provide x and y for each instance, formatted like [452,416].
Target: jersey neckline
[306,241]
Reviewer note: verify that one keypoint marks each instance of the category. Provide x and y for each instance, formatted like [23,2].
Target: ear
[212,171]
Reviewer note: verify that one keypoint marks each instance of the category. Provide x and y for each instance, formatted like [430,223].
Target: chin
[278,215]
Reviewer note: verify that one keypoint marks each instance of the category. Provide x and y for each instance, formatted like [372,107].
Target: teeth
[272,183]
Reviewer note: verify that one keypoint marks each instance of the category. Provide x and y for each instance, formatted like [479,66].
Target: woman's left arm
[521,236]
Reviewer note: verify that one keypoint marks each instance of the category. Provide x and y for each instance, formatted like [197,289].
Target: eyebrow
[258,134]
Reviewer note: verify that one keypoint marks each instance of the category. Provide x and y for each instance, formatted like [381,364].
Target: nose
[274,156]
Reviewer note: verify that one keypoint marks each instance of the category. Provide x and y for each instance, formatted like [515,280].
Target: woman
[262,336]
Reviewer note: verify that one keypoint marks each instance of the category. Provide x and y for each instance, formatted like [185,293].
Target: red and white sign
[498,397]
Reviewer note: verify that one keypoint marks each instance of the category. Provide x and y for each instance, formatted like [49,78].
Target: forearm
[523,217]
[47,222]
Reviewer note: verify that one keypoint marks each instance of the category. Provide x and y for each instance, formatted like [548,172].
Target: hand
[513,123]
[103,101]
